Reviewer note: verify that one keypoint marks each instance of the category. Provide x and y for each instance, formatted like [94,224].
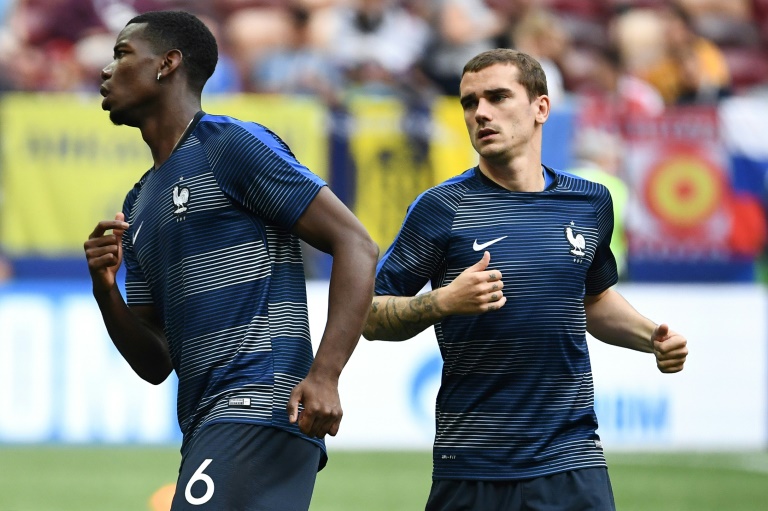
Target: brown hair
[530,74]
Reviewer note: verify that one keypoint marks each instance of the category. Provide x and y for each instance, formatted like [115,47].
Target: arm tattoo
[397,318]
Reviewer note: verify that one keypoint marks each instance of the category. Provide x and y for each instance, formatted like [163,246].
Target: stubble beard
[492,154]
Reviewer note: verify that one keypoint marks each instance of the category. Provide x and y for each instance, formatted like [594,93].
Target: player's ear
[171,62]
[541,105]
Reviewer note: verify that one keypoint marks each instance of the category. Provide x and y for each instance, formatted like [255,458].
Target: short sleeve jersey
[210,247]
[516,399]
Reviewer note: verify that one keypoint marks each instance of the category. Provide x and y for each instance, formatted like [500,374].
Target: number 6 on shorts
[199,475]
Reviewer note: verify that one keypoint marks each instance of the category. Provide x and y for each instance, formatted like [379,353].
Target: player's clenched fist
[476,290]
[670,349]
[104,252]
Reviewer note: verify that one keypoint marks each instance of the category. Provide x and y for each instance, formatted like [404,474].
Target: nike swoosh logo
[478,246]
[136,234]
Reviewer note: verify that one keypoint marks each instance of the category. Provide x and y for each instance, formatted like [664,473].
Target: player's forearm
[349,297]
[397,318]
[143,347]
[613,320]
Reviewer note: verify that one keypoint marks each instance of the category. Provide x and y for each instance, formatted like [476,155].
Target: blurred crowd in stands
[639,56]
[650,52]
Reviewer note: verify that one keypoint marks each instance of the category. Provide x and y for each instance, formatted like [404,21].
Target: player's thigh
[587,489]
[231,467]
[449,495]
[578,490]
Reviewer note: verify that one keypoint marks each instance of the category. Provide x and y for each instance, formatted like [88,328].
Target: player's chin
[118,117]
[490,151]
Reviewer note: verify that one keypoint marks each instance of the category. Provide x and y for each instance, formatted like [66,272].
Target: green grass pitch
[52,478]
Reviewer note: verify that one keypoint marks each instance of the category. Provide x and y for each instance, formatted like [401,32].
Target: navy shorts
[234,467]
[587,489]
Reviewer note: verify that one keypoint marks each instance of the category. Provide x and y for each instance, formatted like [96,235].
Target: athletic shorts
[244,467]
[587,489]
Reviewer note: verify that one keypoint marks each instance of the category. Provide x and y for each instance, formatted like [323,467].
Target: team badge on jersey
[180,199]
[577,241]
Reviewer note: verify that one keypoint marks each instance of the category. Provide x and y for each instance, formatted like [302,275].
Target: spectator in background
[702,11]
[377,43]
[300,67]
[226,78]
[599,158]
[24,67]
[226,8]
[617,92]
[692,69]
[734,24]
[56,45]
[252,28]
[46,23]
[460,30]
[638,34]
[39,40]
[540,34]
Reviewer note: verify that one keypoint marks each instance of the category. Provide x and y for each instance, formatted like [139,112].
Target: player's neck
[518,175]
[164,133]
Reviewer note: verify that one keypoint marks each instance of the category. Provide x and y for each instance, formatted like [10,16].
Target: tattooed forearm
[397,318]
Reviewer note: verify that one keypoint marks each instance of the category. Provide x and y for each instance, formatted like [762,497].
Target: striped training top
[516,399]
[209,246]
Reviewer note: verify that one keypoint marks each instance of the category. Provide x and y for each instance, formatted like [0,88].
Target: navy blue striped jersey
[516,399]
[209,246]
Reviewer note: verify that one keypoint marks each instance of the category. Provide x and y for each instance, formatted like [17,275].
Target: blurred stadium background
[664,101]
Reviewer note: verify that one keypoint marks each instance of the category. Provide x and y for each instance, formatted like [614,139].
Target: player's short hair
[530,74]
[177,30]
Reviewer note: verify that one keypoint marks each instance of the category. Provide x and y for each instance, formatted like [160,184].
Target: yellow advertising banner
[398,154]
[65,167]
[452,152]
